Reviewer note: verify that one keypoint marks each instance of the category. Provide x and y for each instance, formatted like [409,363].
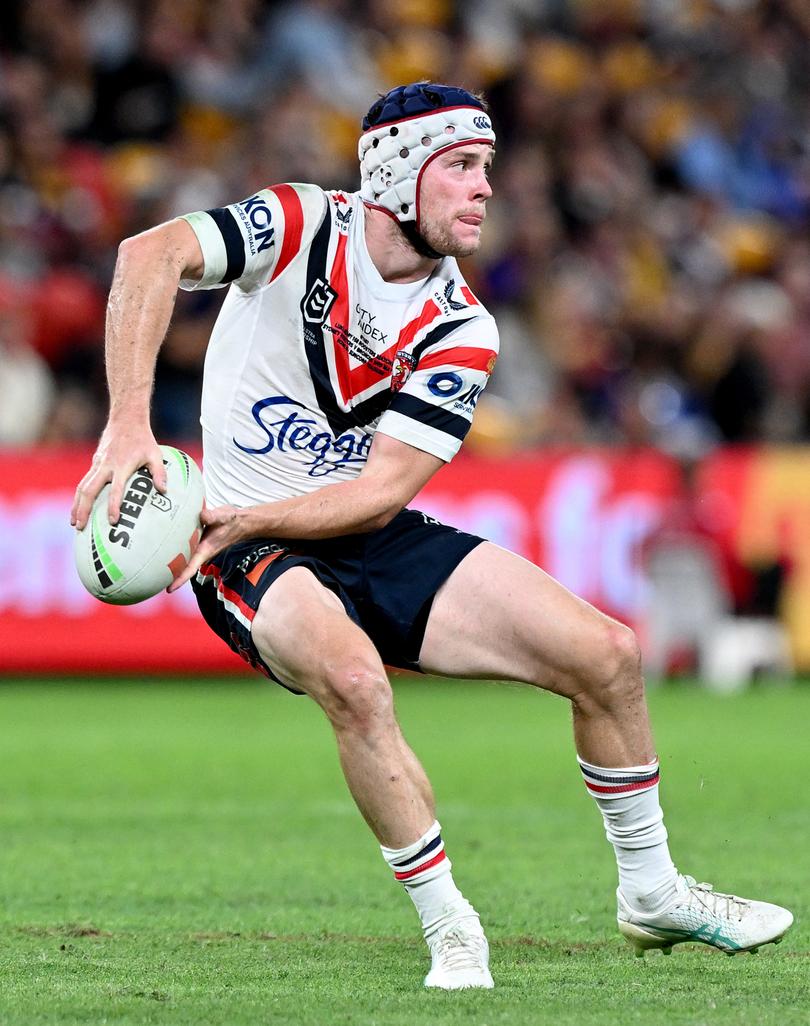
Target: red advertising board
[582,516]
[48,622]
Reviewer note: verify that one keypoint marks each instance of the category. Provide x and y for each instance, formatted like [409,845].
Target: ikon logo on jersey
[256,217]
[318,302]
[445,384]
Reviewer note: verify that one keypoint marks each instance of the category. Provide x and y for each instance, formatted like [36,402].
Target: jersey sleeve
[252,242]
[434,409]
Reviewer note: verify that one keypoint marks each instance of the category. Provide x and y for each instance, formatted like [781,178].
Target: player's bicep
[252,242]
[434,410]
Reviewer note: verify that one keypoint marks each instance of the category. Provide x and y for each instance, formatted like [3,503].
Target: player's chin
[466,242]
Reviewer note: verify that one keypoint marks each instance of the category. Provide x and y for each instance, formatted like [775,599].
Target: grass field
[187,854]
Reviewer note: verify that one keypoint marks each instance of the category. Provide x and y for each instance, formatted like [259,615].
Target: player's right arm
[249,244]
[148,271]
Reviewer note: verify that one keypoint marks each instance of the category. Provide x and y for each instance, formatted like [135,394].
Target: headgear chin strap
[403,132]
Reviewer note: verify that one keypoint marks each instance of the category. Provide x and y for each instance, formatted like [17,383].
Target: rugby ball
[153,540]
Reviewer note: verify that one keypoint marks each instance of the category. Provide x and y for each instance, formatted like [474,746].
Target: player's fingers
[77,509]
[86,493]
[116,495]
[198,557]
[158,472]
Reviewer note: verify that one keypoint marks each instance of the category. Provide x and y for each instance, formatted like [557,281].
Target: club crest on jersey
[318,302]
[404,365]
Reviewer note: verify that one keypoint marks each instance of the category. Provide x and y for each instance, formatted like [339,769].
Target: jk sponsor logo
[289,428]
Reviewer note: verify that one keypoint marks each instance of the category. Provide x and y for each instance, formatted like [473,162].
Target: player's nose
[482,188]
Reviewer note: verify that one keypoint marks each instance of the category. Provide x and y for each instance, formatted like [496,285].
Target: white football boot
[460,957]
[699,913]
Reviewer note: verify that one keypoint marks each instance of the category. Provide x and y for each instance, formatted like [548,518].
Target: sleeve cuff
[420,436]
[213,250]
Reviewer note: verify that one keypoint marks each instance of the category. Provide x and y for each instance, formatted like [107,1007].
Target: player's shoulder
[342,207]
[458,302]
[297,200]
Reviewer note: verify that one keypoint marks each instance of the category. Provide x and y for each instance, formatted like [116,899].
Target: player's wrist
[129,416]
[250,522]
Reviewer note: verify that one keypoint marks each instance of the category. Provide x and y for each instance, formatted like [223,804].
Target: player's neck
[391,253]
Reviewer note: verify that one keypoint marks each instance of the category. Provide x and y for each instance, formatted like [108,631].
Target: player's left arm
[394,473]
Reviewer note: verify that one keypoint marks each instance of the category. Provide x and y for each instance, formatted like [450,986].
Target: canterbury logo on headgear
[404,131]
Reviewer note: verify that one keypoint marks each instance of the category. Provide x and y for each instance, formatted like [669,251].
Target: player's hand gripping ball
[153,540]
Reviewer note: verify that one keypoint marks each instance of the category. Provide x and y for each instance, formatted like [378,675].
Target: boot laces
[458,949]
[728,906]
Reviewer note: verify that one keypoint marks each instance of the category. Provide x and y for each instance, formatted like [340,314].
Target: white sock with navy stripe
[424,870]
[634,824]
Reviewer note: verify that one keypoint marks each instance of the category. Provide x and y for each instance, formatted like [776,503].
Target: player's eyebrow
[463,153]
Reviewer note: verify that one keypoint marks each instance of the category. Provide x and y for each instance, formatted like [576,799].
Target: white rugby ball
[153,540]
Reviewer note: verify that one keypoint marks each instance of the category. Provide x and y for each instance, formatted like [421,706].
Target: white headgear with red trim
[394,154]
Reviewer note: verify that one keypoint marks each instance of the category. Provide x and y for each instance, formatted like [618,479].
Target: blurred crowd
[646,253]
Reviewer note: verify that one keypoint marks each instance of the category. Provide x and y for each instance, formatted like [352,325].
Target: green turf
[188,854]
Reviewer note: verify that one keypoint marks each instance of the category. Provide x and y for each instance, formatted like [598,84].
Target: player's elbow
[169,247]
[137,252]
[386,502]
[382,517]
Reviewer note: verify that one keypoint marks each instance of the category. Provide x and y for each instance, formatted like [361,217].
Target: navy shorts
[386,581]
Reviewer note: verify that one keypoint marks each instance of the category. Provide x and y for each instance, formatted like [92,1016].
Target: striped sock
[634,823]
[424,870]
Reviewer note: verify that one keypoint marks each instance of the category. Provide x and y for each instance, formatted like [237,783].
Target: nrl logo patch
[404,365]
[318,302]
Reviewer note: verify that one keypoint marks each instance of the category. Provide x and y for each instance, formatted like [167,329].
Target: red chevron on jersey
[354,380]
[365,376]
[462,356]
[339,319]
[293,226]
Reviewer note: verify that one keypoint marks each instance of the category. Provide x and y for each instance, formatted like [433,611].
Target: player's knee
[357,698]
[615,673]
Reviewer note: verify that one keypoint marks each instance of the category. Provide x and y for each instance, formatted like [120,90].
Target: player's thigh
[500,617]
[306,637]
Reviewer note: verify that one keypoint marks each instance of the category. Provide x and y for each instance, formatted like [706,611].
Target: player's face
[453,196]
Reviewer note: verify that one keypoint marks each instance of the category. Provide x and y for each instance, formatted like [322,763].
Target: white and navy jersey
[313,352]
